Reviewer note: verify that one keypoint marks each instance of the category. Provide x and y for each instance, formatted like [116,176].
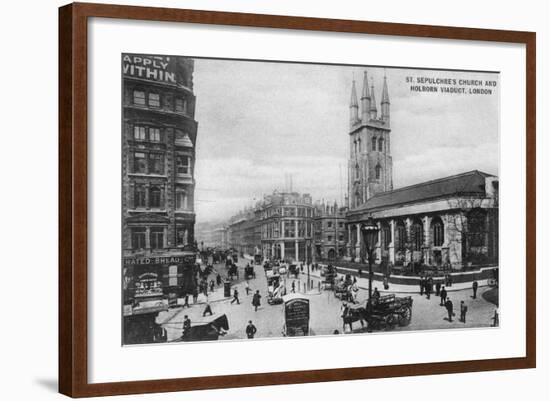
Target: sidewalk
[363,283]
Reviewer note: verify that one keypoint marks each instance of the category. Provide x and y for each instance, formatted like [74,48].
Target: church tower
[370,161]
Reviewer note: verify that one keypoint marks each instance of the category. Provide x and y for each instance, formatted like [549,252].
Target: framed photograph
[251,200]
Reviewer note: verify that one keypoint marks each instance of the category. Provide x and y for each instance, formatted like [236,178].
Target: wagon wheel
[390,321]
[405,316]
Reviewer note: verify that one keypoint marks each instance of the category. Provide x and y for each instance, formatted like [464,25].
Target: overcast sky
[259,121]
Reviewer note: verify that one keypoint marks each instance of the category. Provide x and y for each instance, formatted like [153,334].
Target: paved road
[325,310]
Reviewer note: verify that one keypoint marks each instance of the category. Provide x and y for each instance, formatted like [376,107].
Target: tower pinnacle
[365,99]
[354,106]
[373,110]
[385,103]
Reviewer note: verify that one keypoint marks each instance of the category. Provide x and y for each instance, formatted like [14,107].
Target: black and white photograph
[270,199]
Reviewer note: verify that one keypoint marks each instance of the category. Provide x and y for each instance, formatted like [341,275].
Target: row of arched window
[377,144]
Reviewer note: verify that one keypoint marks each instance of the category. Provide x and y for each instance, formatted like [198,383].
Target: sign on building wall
[153,68]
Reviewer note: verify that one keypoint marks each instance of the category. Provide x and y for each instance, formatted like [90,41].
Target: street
[325,309]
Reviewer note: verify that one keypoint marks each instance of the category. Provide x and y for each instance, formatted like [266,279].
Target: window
[181,200]
[140,164]
[154,197]
[139,196]
[340,224]
[138,238]
[417,235]
[476,222]
[181,237]
[154,134]
[400,236]
[329,238]
[154,100]
[157,238]
[373,143]
[341,237]
[380,145]
[378,171]
[329,224]
[355,146]
[437,232]
[290,229]
[139,133]
[357,172]
[156,163]
[139,98]
[183,165]
[181,105]
[359,144]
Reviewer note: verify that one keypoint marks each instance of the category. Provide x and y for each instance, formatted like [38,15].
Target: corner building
[158,156]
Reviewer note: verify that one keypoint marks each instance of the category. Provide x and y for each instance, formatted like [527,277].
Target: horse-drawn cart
[380,313]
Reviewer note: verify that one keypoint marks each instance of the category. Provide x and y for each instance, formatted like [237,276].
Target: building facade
[330,233]
[243,232]
[451,221]
[158,156]
[287,226]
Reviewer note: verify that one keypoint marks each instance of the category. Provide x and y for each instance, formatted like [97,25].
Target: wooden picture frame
[73,198]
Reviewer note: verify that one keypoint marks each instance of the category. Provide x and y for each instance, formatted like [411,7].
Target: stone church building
[447,222]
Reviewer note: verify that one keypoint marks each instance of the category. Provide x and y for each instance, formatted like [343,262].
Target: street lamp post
[370,232]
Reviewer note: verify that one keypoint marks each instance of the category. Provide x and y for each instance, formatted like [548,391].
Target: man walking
[421,285]
[186,326]
[443,295]
[449,307]
[474,289]
[438,288]
[236,297]
[247,287]
[463,310]
[218,280]
[250,330]
[256,300]
[428,287]
[207,310]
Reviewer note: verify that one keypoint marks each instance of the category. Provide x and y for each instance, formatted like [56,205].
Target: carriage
[249,272]
[329,277]
[275,290]
[206,329]
[385,312]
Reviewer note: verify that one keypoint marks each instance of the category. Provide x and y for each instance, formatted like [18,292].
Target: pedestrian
[256,300]
[359,272]
[236,297]
[375,293]
[421,282]
[247,287]
[207,310]
[437,288]
[293,286]
[495,319]
[212,285]
[463,310]
[449,307]
[474,288]
[218,280]
[386,283]
[186,302]
[250,330]
[186,326]
[443,295]
[195,294]
[428,288]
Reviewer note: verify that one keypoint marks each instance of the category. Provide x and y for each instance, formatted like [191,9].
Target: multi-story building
[287,226]
[451,221]
[158,157]
[243,232]
[330,233]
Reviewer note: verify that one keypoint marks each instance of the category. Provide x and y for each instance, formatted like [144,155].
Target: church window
[400,235]
[359,144]
[357,172]
[380,145]
[378,171]
[417,235]
[437,232]
[373,143]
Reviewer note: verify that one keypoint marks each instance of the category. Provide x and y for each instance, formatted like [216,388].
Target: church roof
[469,183]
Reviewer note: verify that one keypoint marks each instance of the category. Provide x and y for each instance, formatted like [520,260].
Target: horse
[350,315]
